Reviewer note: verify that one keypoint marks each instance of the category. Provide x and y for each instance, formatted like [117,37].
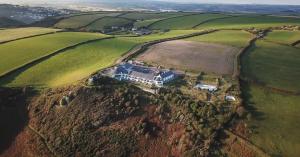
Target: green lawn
[108,22]
[82,20]
[11,34]
[227,37]
[275,119]
[72,65]
[18,53]
[285,37]
[185,22]
[273,64]
[249,21]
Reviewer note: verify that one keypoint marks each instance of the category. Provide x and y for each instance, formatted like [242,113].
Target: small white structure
[230,98]
[210,88]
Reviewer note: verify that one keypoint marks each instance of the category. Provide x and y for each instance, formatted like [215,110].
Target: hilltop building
[142,74]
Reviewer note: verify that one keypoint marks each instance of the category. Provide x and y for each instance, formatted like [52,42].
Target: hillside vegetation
[185,22]
[250,21]
[6,23]
[149,15]
[11,34]
[18,53]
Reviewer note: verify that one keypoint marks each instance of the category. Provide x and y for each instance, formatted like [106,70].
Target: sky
[290,2]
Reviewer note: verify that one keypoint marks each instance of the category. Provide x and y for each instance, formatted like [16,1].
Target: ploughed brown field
[192,56]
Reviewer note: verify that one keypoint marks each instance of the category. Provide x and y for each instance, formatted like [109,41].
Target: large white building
[142,74]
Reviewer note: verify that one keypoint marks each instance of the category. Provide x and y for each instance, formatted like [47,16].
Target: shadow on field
[13,114]
[249,105]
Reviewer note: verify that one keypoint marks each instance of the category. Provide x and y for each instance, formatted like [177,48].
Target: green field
[107,23]
[275,119]
[250,21]
[274,116]
[148,16]
[145,23]
[273,64]
[18,53]
[75,64]
[160,35]
[185,22]
[71,65]
[285,37]
[227,37]
[11,34]
[82,20]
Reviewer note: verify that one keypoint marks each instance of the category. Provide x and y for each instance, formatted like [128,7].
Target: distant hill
[7,22]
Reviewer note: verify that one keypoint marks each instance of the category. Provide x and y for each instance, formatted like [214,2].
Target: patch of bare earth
[192,56]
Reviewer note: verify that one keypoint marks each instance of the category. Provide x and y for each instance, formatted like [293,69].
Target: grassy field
[80,21]
[273,64]
[11,34]
[145,23]
[275,118]
[148,16]
[160,35]
[72,65]
[17,53]
[285,37]
[226,37]
[249,21]
[75,64]
[108,22]
[184,22]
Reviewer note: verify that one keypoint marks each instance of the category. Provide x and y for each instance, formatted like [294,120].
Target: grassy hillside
[184,22]
[72,65]
[275,121]
[17,53]
[11,34]
[82,20]
[285,37]
[227,37]
[6,22]
[249,21]
[107,23]
[273,64]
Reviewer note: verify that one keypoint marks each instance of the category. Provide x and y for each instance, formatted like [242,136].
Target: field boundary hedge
[36,61]
[210,20]
[32,36]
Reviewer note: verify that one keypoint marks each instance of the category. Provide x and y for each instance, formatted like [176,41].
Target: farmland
[192,56]
[285,37]
[273,65]
[18,53]
[12,34]
[154,15]
[81,20]
[227,37]
[249,21]
[145,23]
[71,65]
[75,64]
[107,23]
[186,22]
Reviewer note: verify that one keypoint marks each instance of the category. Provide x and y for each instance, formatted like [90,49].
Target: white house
[210,88]
[230,98]
[143,74]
